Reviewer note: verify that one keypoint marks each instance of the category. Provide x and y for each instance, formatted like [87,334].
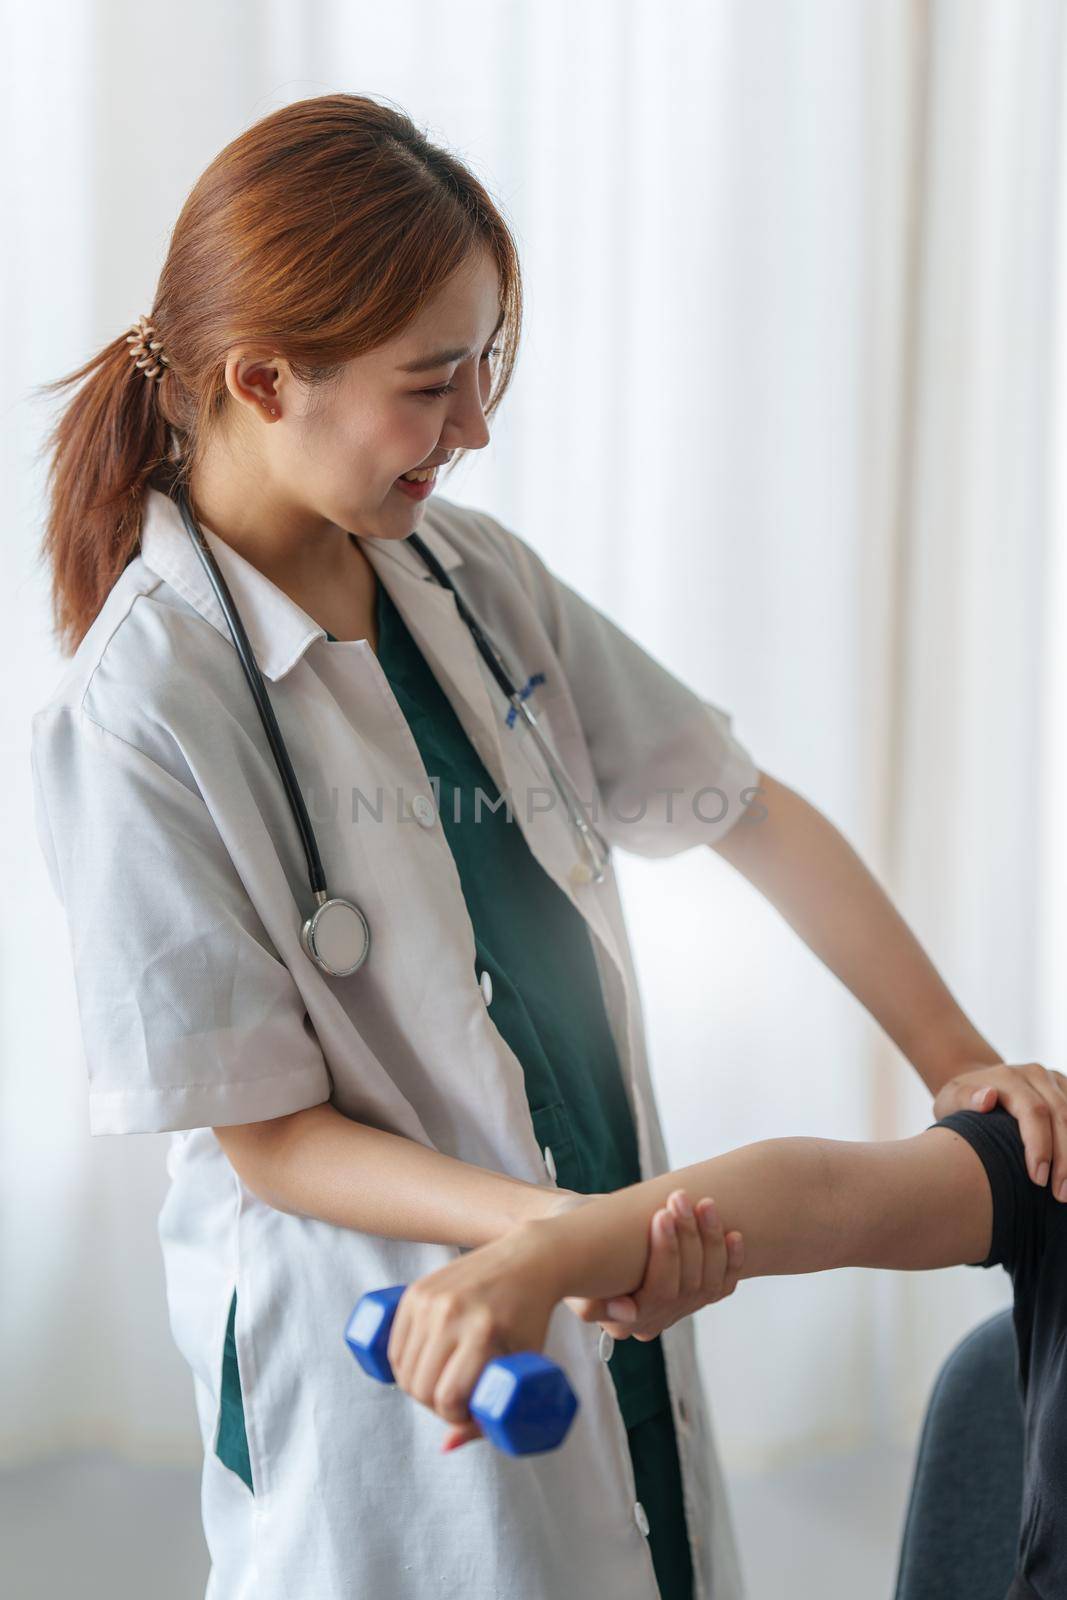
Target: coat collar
[279,630]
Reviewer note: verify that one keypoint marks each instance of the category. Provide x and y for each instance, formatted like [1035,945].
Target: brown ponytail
[324,228]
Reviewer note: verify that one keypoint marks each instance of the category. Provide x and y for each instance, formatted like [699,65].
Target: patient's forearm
[803,1205]
[758,1189]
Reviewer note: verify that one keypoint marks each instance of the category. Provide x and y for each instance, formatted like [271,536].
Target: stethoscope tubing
[592,841]
[316,874]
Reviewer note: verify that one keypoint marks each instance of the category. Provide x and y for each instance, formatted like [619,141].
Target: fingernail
[684,1204]
[978,1096]
[668,1224]
[1063,1189]
[621,1310]
[1042,1175]
[709,1214]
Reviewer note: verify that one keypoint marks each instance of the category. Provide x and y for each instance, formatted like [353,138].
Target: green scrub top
[548,1006]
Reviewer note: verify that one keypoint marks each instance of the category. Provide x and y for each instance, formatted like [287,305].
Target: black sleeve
[1019,1206]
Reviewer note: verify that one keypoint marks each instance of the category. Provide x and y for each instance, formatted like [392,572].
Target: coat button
[640,1518]
[550,1163]
[487,987]
[422,810]
[605,1345]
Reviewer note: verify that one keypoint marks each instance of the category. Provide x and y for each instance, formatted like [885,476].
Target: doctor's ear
[257,380]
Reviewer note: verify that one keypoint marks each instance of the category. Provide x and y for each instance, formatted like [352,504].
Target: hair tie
[146,350]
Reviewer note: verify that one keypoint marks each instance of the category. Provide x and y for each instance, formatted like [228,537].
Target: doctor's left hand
[1035,1097]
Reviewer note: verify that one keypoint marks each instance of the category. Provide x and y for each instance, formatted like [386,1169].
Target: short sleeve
[1018,1203]
[188,1016]
[670,769]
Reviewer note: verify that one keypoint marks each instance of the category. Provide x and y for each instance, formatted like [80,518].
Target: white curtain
[787,409]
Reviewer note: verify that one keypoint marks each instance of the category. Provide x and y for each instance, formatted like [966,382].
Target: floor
[827,1531]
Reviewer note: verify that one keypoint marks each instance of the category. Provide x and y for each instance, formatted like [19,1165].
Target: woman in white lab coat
[324,324]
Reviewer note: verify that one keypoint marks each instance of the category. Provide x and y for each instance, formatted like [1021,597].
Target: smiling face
[331,455]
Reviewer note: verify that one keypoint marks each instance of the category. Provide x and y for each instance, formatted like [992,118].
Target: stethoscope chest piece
[337,937]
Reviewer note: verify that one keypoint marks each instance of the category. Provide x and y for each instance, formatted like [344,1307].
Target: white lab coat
[169,841]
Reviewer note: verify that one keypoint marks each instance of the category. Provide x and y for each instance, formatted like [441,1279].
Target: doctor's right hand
[691,1263]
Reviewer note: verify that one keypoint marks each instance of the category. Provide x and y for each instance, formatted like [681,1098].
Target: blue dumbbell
[522,1403]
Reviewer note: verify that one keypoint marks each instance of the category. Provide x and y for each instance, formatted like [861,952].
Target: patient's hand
[690,1264]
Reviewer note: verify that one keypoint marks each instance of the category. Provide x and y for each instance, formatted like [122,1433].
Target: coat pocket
[231,1440]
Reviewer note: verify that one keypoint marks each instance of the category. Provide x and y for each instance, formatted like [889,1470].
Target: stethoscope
[336,936]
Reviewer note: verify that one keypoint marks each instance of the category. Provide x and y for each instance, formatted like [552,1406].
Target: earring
[272,410]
